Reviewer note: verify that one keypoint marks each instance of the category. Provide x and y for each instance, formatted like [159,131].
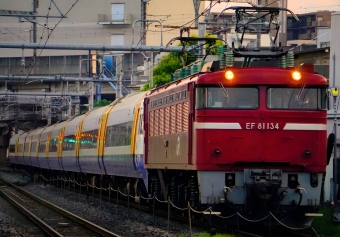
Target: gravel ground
[13,223]
[121,220]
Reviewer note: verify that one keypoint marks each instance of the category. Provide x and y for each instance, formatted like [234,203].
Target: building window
[117,11]
[325,44]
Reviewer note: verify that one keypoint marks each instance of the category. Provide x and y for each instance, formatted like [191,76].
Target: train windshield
[297,98]
[219,97]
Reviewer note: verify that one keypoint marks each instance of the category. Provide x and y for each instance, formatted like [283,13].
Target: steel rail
[45,227]
[88,224]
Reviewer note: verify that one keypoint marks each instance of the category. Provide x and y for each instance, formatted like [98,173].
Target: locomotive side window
[227,98]
[296,98]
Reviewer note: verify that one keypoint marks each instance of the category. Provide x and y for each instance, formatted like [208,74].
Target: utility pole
[35,6]
[283,26]
[119,74]
[336,215]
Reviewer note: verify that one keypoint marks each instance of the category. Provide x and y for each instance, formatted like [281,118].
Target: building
[312,29]
[100,22]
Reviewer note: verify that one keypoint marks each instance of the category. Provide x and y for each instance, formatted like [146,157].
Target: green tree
[173,61]
[101,103]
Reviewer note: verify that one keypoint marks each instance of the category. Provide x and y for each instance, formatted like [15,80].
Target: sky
[296,6]
[303,6]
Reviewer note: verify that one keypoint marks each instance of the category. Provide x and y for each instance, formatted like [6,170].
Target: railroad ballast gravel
[124,221]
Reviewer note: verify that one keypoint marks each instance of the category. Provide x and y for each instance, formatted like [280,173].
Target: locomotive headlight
[296,75]
[307,153]
[229,75]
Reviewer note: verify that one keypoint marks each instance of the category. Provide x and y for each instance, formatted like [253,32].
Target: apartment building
[100,22]
[308,26]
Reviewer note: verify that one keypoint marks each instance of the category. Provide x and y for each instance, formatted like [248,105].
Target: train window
[118,135]
[33,147]
[296,98]
[69,143]
[53,145]
[12,148]
[42,146]
[178,96]
[171,98]
[20,148]
[141,125]
[26,146]
[227,97]
[88,139]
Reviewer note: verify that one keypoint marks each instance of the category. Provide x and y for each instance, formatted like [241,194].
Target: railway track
[183,217]
[52,220]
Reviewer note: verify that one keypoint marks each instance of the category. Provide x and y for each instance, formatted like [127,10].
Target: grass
[324,225]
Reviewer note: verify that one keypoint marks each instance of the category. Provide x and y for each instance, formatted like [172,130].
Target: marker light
[229,75]
[296,75]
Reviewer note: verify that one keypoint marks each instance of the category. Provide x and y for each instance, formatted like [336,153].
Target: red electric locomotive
[248,143]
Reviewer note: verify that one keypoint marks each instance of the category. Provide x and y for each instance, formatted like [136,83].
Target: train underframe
[265,197]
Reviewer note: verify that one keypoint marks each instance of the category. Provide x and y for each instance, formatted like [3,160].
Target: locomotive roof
[245,76]
[262,76]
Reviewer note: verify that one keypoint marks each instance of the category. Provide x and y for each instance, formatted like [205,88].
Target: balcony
[114,19]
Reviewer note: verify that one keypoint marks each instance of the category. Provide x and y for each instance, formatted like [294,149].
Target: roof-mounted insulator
[290,59]
[176,75]
[230,58]
[182,73]
[187,71]
[282,62]
[194,68]
[221,55]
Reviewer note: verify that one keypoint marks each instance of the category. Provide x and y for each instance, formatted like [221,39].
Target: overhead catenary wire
[50,33]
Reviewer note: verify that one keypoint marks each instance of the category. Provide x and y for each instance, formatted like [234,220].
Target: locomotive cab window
[218,97]
[297,98]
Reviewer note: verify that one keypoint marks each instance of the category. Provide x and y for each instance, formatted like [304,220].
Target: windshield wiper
[225,92]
